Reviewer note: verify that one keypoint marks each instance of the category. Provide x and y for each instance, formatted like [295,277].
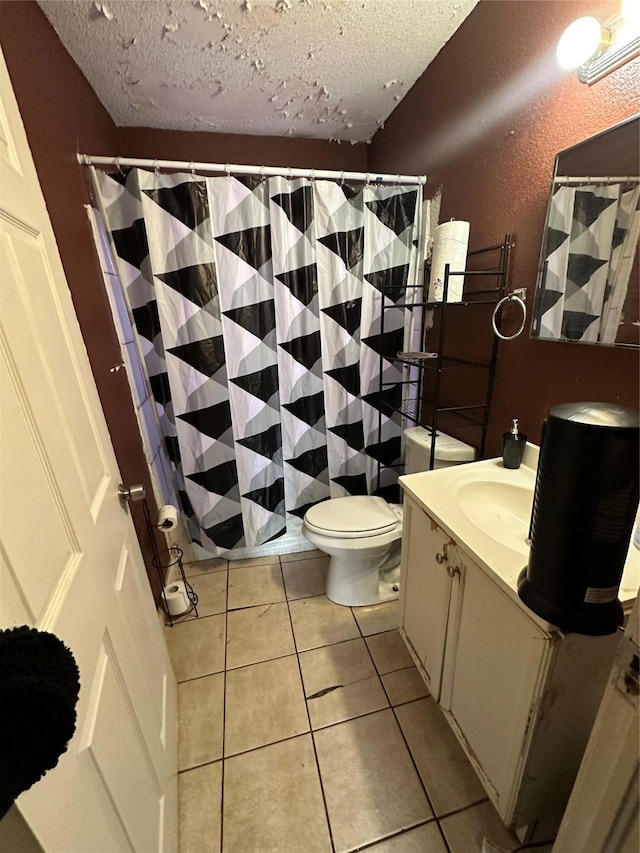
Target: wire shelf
[429,411]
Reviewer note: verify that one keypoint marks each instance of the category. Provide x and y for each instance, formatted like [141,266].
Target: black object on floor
[39,687]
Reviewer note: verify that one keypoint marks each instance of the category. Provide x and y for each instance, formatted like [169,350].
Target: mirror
[587,289]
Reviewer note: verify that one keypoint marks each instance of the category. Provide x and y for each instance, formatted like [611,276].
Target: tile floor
[305,726]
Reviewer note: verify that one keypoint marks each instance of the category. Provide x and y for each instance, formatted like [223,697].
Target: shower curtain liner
[257,306]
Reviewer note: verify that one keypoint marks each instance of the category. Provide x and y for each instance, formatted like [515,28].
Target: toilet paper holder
[166,561]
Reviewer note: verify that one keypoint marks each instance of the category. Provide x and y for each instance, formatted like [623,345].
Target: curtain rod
[592,179]
[262,171]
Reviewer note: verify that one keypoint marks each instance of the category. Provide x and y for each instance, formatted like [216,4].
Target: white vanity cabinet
[425,592]
[520,695]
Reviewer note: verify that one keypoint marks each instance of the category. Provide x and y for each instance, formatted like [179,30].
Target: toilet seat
[353,517]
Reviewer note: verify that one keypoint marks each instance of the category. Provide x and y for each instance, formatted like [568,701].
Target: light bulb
[579,42]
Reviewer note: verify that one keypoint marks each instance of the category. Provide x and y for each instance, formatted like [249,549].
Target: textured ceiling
[330,69]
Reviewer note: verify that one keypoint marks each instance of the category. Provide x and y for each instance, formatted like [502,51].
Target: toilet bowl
[362,534]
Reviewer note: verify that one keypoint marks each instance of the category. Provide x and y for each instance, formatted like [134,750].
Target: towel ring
[510,297]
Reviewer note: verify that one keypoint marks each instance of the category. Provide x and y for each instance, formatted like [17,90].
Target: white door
[70,561]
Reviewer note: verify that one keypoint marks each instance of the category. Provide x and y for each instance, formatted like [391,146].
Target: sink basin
[498,509]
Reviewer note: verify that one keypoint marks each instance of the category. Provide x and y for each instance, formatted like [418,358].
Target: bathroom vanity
[520,694]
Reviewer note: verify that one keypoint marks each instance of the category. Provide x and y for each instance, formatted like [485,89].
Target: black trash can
[584,507]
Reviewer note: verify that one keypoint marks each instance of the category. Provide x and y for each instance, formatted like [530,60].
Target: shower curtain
[257,306]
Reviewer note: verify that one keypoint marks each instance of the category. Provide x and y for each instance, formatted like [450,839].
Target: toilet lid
[352,517]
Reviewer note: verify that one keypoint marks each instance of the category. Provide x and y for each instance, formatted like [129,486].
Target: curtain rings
[398,180]
[119,166]
[367,180]
[312,175]
[156,168]
[193,170]
[289,175]
[342,179]
[227,169]
[262,173]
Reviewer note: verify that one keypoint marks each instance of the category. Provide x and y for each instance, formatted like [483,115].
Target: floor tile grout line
[395,716]
[443,837]
[257,604]
[313,740]
[466,808]
[204,675]
[302,652]
[442,817]
[393,835]
[311,730]
[257,662]
[265,745]
[202,764]
[195,619]
[224,710]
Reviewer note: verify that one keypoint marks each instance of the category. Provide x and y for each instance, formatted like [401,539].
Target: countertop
[436,491]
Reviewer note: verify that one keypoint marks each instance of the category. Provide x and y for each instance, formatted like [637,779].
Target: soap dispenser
[513,445]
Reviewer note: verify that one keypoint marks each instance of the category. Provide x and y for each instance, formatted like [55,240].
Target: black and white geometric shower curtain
[257,305]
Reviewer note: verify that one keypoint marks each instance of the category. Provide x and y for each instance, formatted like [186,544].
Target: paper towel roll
[176,598]
[449,247]
[167,517]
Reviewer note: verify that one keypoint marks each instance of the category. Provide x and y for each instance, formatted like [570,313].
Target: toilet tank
[417,450]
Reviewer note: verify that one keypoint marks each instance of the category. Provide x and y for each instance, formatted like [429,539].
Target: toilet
[362,534]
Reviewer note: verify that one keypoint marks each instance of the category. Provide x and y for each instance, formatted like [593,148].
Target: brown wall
[485,122]
[63,116]
[228,148]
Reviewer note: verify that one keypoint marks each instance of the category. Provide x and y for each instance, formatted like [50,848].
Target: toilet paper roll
[449,247]
[167,517]
[176,598]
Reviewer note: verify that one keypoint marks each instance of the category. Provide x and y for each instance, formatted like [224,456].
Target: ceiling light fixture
[595,49]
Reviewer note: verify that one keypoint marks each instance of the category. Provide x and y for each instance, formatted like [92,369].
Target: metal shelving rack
[426,412]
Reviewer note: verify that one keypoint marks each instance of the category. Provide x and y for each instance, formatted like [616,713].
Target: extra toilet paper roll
[450,246]
[167,517]
[177,598]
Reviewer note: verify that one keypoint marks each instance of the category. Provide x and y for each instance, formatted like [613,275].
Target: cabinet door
[426,589]
[501,662]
